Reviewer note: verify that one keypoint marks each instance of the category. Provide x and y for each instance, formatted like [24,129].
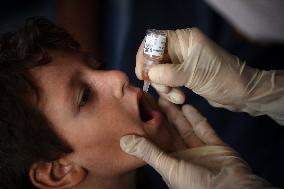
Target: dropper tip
[146,86]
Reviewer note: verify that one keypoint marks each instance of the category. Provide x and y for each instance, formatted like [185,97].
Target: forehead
[62,65]
[61,61]
[54,76]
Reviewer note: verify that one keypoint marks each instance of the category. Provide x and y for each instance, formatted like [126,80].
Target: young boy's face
[92,109]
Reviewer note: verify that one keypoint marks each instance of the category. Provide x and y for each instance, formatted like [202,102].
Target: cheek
[120,120]
[100,148]
[108,160]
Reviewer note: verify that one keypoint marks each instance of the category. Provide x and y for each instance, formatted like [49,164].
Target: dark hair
[25,134]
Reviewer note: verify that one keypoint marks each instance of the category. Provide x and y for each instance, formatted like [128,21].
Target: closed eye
[85,97]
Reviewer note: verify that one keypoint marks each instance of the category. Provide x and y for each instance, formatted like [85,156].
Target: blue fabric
[258,139]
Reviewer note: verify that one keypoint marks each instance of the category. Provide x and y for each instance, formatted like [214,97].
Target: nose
[116,81]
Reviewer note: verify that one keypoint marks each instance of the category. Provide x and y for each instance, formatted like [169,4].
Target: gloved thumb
[178,174]
[145,150]
[168,74]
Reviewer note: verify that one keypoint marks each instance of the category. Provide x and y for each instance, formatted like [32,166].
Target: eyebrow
[91,60]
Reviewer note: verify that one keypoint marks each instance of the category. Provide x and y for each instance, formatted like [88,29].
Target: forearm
[266,94]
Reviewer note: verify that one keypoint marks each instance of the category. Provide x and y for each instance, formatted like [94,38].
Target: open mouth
[145,111]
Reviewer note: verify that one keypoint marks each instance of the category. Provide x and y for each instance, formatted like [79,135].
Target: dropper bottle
[154,47]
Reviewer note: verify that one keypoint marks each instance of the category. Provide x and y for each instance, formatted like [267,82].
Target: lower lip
[157,118]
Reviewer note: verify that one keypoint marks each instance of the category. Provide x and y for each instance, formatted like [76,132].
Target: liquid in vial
[154,47]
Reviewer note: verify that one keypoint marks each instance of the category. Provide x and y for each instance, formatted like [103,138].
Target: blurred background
[114,29]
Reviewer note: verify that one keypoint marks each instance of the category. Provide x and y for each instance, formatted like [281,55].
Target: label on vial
[154,45]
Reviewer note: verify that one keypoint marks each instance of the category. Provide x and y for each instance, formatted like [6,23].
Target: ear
[56,175]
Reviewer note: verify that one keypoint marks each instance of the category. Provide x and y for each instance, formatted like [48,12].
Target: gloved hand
[211,164]
[194,61]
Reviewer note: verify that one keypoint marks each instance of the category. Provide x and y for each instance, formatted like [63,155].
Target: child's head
[25,136]
[60,118]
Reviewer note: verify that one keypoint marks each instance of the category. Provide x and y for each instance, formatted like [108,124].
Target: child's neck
[126,181]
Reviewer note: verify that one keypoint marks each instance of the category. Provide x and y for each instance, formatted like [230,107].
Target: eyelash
[85,97]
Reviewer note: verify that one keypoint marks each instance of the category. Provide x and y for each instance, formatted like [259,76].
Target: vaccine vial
[154,47]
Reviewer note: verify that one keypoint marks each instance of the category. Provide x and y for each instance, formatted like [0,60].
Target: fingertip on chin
[128,143]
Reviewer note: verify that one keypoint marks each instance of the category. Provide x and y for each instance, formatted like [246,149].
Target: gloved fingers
[200,126]
[167,74]
[171,52]
[145,150]
[183,126]
[174,95]
[140,58]
[215,104]
[178,44]
[161,88]
[139,61]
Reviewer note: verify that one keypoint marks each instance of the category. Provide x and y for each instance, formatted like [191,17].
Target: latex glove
[211,165]
[194,61]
